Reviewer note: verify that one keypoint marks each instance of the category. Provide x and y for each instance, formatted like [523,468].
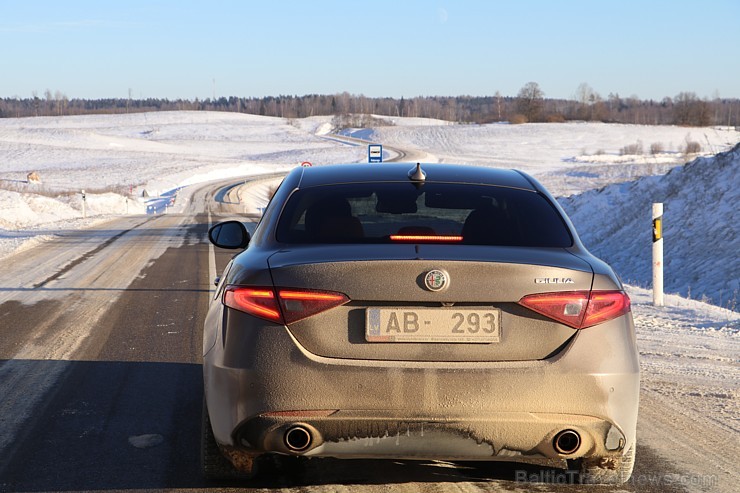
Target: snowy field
[119,158]
[124,161]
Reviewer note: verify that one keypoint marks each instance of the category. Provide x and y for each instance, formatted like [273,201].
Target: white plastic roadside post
[658,254]
[84,208]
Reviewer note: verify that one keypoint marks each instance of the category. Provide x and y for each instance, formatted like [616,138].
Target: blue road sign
[375,153]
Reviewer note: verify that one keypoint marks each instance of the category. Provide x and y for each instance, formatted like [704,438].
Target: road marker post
[658,254]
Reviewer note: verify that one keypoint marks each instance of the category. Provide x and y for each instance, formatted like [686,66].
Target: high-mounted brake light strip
[439,238]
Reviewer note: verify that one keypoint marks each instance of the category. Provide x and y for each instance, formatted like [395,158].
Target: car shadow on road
[117,425]
[299,472]
[652,474]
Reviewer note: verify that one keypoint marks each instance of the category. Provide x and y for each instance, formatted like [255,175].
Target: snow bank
[701,242]
[408,121]
[29,210]
[24,210]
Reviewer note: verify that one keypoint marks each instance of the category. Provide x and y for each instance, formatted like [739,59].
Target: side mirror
[229,234]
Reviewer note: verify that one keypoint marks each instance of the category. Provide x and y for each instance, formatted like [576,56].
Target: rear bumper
[352,434]
[359,408]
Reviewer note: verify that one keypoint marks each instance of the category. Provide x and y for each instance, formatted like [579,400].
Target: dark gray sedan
[417,312]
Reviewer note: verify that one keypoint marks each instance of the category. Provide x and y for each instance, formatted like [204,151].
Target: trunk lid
[481,278]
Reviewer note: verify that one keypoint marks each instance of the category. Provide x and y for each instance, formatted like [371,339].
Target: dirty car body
[419,312]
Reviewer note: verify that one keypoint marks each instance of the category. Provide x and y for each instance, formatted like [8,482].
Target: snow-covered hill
[155,150]
[118,158]
[567,158]
[701,217]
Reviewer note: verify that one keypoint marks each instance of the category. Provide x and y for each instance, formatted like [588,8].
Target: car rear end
[439,319]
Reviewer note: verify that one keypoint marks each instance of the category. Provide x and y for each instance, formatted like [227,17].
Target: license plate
[449,325]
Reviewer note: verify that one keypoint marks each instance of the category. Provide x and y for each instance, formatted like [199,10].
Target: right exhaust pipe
[566,442]
[297,438]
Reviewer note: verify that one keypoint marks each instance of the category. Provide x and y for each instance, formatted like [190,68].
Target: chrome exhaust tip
[297,438]
[566,442]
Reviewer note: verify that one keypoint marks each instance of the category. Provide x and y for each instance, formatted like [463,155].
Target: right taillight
[281,305]
[579,309]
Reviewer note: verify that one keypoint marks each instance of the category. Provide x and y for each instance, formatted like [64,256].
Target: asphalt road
[100,375]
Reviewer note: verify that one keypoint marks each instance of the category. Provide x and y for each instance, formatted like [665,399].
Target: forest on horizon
[529,105]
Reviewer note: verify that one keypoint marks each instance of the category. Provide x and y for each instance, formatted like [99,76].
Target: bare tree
[530,101]
[584,93]
[36,101]
[585,99]
[682,107]
[688,109]
[60,100]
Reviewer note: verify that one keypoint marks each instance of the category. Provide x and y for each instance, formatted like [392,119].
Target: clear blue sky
[177,48]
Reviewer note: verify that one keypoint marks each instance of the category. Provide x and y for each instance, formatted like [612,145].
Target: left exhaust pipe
[297,438]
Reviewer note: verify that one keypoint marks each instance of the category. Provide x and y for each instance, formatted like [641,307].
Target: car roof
[439,173]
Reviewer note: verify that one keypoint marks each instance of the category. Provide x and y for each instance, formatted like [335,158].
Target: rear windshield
[430,213]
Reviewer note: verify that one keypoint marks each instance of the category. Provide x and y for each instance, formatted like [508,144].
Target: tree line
[529,105]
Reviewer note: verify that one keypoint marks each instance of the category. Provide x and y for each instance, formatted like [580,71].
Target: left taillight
[260,302]
[281,305]
[579,309]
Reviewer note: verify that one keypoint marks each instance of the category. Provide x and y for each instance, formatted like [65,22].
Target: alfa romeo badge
[436,280]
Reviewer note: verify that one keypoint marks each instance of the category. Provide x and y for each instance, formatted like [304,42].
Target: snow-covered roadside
[12,242]
[28,210]
[688,329]
[690,354]
[29,219]
[690,384]
[257,194]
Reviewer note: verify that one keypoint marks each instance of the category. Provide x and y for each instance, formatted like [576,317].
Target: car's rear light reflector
[284,306]
[288,294]
[579,309]
[605,305]
[427,238]
[303,303]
